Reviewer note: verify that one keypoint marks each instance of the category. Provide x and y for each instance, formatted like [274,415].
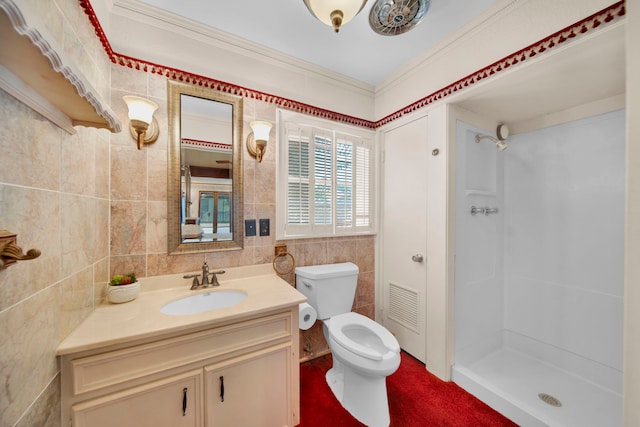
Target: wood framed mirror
[205,169]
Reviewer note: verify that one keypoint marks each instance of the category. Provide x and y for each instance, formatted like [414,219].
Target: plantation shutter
[363,176]
[328,177]
[323,181]
[298,162]
[353,184]
[344,183]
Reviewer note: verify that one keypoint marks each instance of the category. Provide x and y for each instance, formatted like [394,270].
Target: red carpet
[416,398]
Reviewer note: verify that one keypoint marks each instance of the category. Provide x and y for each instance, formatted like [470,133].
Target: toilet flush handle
[307,284]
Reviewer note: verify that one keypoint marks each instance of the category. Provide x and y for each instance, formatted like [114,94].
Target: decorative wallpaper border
[605,16]
[209,144]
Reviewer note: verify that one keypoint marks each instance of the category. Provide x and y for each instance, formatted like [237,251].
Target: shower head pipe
[502,133]
[500,144]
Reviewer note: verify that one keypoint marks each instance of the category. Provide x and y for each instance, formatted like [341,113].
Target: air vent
[403,306]
[390,18]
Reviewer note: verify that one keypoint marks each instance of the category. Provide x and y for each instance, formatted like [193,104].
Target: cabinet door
[250,390]
[174,401]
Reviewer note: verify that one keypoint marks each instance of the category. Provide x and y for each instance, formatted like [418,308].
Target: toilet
[364,352]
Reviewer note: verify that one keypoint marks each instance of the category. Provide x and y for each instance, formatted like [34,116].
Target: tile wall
[95,205]
[54,193]
[139,207]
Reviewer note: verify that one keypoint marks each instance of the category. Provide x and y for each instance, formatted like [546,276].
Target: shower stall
[539,272]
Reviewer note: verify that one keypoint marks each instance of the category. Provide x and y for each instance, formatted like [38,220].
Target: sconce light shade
[258,138]
[143,126]
[335,12]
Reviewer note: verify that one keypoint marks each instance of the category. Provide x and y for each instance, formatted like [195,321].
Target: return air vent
[403,306]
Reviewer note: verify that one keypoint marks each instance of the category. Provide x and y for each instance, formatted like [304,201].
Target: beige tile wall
[139,206]
[95,205]
[54,193]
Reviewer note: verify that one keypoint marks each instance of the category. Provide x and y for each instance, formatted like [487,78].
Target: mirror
[205,169]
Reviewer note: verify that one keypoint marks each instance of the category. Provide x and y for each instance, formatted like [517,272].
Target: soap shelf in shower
[480,193]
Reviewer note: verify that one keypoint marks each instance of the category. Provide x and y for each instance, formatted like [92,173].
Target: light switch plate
[249,227]
[264,227]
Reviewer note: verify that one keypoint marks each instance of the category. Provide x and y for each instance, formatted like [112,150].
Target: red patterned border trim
[605,16]
[207,144]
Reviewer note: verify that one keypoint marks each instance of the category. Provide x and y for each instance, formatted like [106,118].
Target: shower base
[510,382]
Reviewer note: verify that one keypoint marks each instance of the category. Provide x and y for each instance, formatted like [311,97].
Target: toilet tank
[330,288]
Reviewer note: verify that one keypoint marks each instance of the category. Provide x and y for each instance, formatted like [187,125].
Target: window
[325,178]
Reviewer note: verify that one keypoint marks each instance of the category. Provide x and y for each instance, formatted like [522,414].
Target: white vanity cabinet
[178,380]
[249,390]
[173,401]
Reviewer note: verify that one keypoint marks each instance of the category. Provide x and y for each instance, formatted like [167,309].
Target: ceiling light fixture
[335,12]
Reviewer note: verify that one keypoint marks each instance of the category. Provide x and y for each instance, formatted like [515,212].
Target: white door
[404,235]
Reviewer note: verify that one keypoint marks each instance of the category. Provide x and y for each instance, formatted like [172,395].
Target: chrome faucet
[195,284]
[205,275]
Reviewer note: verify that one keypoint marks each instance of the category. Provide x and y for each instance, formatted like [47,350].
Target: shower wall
[479,300]
[544,275]
[563,245]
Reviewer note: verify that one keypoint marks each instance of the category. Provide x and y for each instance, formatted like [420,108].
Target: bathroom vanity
[131,365]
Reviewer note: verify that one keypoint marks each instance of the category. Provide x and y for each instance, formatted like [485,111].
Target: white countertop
[141,319]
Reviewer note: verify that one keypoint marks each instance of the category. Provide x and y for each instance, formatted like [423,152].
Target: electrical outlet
[264,227]
[249,227]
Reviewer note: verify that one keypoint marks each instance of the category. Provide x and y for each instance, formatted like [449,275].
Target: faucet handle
[214,279]
[195,284]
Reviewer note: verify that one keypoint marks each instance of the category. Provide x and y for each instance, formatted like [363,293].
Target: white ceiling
[356,51]
[588,71]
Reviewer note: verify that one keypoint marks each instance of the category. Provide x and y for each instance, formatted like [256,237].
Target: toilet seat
[338,324]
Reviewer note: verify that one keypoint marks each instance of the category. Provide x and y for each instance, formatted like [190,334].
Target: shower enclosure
[539,272]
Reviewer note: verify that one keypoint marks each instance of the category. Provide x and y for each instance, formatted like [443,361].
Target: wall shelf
[36,70]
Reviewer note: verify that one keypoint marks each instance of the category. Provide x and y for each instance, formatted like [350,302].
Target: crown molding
[553,42]
[600,19]
[36,70]
[486,19]
[159,18]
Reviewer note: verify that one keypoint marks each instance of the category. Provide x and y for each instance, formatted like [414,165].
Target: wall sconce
[143,126]
[257,139]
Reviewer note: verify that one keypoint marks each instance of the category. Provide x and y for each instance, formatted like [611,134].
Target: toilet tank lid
[326,271]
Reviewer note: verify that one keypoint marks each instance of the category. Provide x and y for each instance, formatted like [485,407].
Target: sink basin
[200,303]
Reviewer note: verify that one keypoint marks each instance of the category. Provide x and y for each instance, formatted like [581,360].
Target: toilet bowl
[364,354]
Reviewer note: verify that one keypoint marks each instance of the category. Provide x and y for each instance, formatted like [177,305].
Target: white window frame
[361,139]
